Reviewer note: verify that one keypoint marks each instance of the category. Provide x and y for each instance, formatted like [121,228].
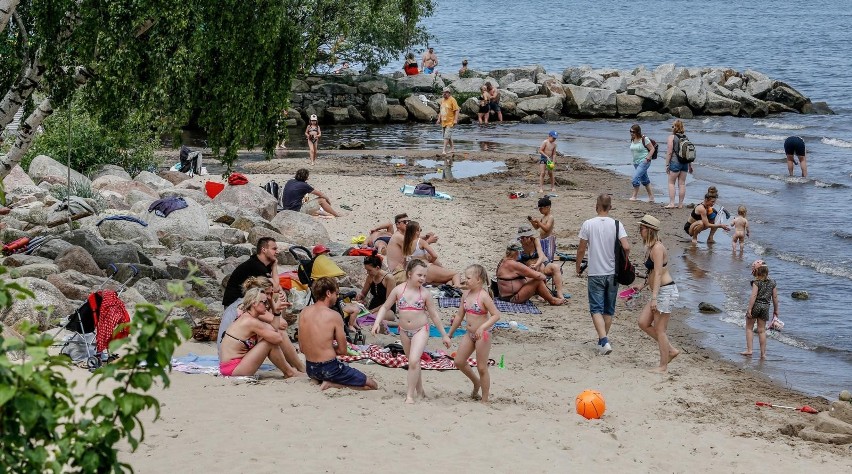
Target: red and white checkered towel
[375,353]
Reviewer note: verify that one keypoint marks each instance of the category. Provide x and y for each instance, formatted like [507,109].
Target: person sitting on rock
[295,191]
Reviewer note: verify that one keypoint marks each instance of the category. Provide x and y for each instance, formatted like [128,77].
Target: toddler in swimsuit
[476,307]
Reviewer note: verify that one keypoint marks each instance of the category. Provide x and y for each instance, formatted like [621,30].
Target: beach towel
[386,359]
[209,364]
[165,206]
[433,331]
[503,306]
[408,190]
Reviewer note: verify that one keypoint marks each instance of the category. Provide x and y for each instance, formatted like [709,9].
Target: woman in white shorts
[654,319]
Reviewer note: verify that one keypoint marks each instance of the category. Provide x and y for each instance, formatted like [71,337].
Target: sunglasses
[404,221]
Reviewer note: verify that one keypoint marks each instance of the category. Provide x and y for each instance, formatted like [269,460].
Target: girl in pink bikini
[476,306]
[415,308]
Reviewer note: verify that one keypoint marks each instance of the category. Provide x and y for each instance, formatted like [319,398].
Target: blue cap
[553,134]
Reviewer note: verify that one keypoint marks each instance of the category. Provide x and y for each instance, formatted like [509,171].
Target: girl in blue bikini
[415,307]
[476,306]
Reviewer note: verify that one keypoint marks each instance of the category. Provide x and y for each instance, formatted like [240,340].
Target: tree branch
[7,8]
[25,39]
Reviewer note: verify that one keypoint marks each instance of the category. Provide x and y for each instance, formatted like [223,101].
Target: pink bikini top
[476,307]
[416,305]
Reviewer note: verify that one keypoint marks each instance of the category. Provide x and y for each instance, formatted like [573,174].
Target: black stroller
[94,323]
[311,268]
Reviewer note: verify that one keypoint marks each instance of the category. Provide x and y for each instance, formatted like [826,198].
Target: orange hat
[319,249]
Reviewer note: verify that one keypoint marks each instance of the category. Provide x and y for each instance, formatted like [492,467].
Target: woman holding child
[518,283]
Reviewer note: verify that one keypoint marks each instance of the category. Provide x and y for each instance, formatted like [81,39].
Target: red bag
[213,188]
[237,179]
[16,246]
[360,252]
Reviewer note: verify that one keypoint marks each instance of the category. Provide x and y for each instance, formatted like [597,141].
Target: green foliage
[129,144]
[467,74]
[45,426]
[80,189]
[461,97]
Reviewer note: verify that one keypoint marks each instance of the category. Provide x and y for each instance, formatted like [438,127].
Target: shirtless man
[494,101]
[322,339]
[430,61]
[544,224]
[547,154]
[381,234]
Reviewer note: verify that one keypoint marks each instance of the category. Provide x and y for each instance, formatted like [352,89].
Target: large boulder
[696,93]
[397,113]
[669,74]
[248,198]
[470,107]
[333,89]
[588,102]
[53,248]
[539,106]
[628,105]
[45,168]
[674,98]
[377,107]
[523,88]
[190,221]
[202,249]
[21,259]
[111,170]
[759,88]
[128,231]
[615,83]
[228,235]
[553,88]
[129,190]
[718,105]
[573,75]
[784,94]
[37,270]
[300,229]
[469,85]
[754,76]
[17,179]
[86,238]
[106,179]
[373,87]
[115,254]
[650,91]
[29,309]
[420,111]
[174,177]
[683,112]
[420,83]
[337,115]
[525,72]
[257,233]
[152,181]
[734,82]
[77,258]
[592,79]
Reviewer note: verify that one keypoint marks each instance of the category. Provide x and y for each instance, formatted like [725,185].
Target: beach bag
[685,150]
[273,188]
[237,179]
[625,273]
[656,148]
[424,189]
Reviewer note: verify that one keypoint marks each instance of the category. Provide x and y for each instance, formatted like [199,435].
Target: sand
[700,417]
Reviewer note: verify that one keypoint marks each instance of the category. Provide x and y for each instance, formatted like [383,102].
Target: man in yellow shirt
[448,118]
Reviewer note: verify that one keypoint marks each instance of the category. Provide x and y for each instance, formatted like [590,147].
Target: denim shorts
[675,166]
[603,290]
[666,298]
[337,372]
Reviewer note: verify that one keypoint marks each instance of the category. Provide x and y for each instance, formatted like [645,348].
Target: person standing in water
[796,146]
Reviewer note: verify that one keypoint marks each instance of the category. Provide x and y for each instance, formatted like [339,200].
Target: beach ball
[551,165]
[590,404]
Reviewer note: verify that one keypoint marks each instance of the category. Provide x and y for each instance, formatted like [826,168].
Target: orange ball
[590,404]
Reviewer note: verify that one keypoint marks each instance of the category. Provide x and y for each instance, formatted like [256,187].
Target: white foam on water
[758,136]
[836,142]
[821,267]
[778,125]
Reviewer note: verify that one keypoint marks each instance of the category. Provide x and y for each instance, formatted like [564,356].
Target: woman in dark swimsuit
[700,219]
[378,284]
[518,283]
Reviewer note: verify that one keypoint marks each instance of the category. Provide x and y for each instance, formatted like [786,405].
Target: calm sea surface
[801,228]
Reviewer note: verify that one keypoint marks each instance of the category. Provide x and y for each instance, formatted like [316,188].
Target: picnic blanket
[408,190]
[377,355]
[503,306]
[206,364]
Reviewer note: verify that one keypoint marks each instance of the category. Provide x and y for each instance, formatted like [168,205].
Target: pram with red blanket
[94,323]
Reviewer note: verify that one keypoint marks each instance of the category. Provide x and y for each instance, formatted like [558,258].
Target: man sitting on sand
[295,191]
[322,338]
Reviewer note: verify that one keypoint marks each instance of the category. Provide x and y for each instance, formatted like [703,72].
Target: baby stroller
[93,324]
[311,268]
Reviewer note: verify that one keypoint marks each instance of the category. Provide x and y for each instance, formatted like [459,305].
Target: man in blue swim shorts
[796,146]
[322,339]
[430,61]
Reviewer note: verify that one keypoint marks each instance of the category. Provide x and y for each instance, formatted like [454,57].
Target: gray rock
[77,258]
[299,86]
[696,93]
[19,260]
[653,115]
[152,181]
[354,114]
[648,91]
[759,88]
[800,295]
[132,191]
[373,87]
[241,250]
[257,233]
[197,196]
[202,249]
[45,168]
[115,254]
[204,269]
[85,238]
[524,72]
[553,88]
[338,115]
[52,249]
[246,223]
[683,112]
[228,235]
[397,113]
[17,179]
[125,273]
[786,95]
[190,222]
[128,231]
[708,308]
[27,310]
[734,82]
[628,105]
[37,270]
[523,88]
[718,105]
[248,198]
[778,108]
[467,86]
[817,108]
[754,76]
[533,118]
[505,80]
[219,214]
[615,83]
[573,75]
[377,107]
[421,83]
[69,289]
[111,170]
[539,106]
[150,290]
[333,88]
[420,111]
[588,102]
[174,177]
[674,98]
[300,229]
[470,106]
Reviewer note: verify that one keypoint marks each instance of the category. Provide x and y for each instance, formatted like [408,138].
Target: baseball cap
[319,248]
[553,134]
[446,89]
[313,117]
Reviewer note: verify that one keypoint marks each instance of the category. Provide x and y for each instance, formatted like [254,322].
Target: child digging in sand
[741,231]
[762,290]
[476,306]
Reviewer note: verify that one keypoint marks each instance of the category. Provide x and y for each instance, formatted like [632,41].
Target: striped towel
[375,353]
[503,306]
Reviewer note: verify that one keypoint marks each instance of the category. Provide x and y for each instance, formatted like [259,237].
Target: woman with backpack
[642,149]
[676,168]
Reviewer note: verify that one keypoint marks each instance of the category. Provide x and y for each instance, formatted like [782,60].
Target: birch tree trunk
[7,7]
[25,137]
[19,92]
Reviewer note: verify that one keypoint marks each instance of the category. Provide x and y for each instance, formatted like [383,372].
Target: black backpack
[656,148]
[625,272]
[424,189]
[273,188]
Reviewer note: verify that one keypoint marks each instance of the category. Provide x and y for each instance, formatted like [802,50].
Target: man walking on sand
[430,61]
[322,339]
[598,235]
[448,118]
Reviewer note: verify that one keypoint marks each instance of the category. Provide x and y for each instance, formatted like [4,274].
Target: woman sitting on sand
[413,247]
[702,218]
[532,255]
[379,284]
[518,283]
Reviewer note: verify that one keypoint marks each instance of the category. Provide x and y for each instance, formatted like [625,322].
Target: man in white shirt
[598,235]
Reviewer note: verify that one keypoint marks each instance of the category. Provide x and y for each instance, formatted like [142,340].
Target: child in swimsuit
[415,308]
[313,134]
[476,307]
[741,230]
[763,290]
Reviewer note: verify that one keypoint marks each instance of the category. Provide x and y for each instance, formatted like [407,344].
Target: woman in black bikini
[702,218]
[518,283]
[654,318]
[379,284]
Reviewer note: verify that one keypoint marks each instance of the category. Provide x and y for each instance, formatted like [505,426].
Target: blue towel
[209,361]
[433,331]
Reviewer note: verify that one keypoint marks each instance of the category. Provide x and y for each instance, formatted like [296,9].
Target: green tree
[225,65]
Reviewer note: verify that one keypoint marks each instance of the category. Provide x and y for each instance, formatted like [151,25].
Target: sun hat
[319,248]
[544,202]
[525,231]
[757,264]
[650,222]
[313,117]
[553,134]
[515,247]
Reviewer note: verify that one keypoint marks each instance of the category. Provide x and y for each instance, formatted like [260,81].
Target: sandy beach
[700,417]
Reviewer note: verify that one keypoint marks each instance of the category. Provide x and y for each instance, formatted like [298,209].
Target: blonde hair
[650,238]
[251,298]
[761,272]
[677,126]
[256,282]
[742,211]
[480,272]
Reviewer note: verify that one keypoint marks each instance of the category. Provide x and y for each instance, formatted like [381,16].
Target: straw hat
[650,222]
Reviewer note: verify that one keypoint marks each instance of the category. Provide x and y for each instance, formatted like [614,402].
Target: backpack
[656,148]
[625,272]
[685,150]
[273,188]
[424,189]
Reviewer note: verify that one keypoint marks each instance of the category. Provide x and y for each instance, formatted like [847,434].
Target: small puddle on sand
[455,169]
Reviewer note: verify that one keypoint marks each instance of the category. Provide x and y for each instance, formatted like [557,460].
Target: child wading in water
[762,290]
[476,306]
[547,160]
[313,134]
[741,231]
[415,307]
